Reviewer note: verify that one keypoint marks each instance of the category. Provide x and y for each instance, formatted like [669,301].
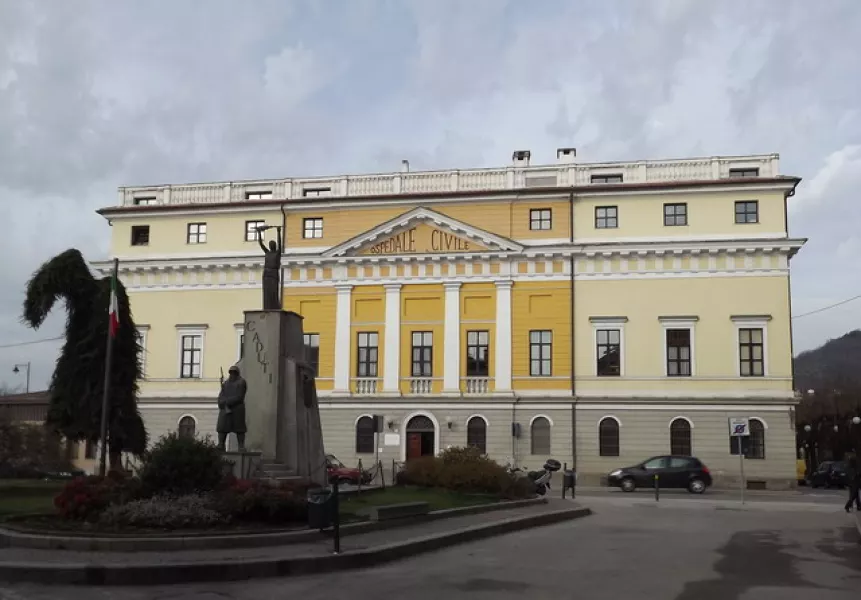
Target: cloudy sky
[97,94]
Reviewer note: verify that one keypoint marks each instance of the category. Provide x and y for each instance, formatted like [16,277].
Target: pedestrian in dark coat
[853,474]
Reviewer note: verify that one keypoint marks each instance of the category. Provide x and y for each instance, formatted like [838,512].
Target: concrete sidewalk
[359,550]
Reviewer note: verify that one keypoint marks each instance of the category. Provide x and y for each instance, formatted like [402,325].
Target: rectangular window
[312,228]
[316,192]
[675,214]
[606,217]
[140,235]
[145,201]
[196,233]
[90,450]
[241,345]
[608,178]
[192,349]
[754,172]
[609,352]
[678,352]
[477,350]
[251,233]
[422,354]
[312,351]
[540,219]
[540,353]
[141,335]
[368,354]
[258,195]
[747,211]
[751,348]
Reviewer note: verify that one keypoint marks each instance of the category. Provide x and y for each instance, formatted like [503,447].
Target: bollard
[564,479]
[657,489]
[382,474]
[361,474]
[337,523]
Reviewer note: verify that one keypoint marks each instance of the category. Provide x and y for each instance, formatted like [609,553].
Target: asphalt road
[678,550]
[802,494]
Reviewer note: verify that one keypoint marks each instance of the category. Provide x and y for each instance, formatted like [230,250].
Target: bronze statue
[231,408]
[271,270]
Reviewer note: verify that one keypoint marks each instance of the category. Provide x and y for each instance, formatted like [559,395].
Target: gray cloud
[96,94]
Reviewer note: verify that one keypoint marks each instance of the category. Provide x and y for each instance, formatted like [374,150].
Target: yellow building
[596,313]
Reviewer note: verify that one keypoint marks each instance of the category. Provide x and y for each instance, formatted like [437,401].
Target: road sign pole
[741,467]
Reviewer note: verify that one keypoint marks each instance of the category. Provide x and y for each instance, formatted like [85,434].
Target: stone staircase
[274,472]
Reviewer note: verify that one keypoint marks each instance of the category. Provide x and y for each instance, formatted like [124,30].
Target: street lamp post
[26,365]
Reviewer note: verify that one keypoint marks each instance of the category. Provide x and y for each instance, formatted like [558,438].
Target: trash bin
[569,479]
[321,508]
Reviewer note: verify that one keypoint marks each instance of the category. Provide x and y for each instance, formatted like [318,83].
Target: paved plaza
[681,549]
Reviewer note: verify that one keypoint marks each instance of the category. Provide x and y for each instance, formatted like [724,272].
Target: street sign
[739,426]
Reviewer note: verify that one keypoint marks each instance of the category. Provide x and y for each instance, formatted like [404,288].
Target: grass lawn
[18,496]
[437,499]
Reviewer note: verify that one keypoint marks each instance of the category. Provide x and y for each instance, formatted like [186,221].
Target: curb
[12,537]
[227,570]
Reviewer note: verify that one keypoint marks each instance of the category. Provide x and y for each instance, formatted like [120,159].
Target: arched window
[680,437]
[365,430]
[608,437]
[756,440]
[476,434]
[540,434]
[186,427]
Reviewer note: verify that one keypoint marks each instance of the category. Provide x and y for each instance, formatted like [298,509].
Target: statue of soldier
[231,409]
[271,271]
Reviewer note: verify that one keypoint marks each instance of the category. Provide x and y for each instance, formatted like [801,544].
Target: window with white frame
[251,232]
[240,340]
[142,331]
[312,228]
[540,353]
[751,344]
[609,334]
[678,345]
[191,351]
[606,217]
[540,219]
[196,233]
[258,195]
[312,351]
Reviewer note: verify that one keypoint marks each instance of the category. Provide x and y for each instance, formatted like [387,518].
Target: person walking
[853,475]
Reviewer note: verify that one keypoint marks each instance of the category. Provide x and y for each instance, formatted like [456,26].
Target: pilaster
[342,338]
[451,335]
[392,342]
[502,374]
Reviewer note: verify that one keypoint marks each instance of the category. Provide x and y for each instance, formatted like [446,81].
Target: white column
[451,348]
[392,342]
[342,339]
[502,374]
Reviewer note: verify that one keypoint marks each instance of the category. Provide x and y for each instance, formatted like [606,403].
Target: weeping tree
[78,382]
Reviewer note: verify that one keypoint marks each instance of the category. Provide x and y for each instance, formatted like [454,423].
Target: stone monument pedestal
[281,410]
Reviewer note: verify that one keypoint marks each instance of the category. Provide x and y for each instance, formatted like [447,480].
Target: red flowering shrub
[262,502]
[84,498]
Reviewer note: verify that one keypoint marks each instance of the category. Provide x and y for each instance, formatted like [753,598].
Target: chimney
[405,166]
[566,156]
[521,158]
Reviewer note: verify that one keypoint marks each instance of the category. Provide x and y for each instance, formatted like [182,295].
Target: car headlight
[616,472]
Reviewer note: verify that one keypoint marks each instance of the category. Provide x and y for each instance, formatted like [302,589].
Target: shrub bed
[464,470]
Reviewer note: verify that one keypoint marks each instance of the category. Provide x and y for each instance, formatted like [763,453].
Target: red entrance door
[414,445]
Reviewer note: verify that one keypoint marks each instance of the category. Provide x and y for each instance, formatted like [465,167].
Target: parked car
[685,472]
[338,471]
[830,473]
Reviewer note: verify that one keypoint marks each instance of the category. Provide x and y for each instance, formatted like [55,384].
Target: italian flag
[114,314]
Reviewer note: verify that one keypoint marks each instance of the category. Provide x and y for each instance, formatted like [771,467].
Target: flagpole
[103,430]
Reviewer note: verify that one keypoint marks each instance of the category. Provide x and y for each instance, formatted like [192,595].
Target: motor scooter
[540,479]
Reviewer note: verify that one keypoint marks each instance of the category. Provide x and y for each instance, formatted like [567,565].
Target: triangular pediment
[423,231]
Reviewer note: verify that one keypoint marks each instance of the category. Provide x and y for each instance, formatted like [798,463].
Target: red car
[338,471]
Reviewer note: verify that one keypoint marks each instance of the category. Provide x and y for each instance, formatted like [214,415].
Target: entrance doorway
[421,437]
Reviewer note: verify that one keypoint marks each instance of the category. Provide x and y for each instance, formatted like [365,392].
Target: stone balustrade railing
[512,177]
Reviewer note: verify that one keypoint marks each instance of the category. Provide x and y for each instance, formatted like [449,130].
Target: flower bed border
[22,537]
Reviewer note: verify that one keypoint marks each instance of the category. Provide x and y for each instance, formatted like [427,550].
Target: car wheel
[628,485]
[697,486]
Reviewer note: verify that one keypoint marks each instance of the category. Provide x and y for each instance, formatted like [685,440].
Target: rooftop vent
[566,156]
[521,158]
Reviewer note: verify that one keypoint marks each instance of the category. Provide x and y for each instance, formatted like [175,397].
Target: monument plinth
[281,412]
